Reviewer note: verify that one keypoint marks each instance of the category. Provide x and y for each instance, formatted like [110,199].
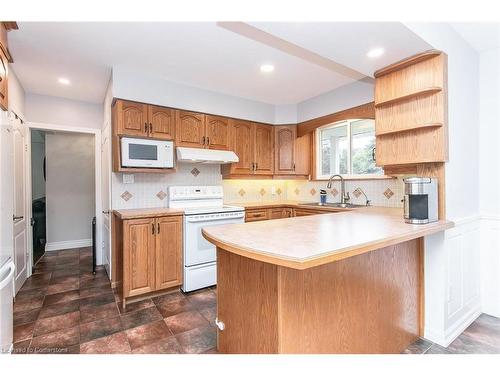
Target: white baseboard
[461,325]
[62,245]
[448,336]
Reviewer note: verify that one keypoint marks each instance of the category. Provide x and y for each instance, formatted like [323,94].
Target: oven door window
[138,151]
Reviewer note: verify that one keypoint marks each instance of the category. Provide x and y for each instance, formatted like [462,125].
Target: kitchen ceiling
[206,55]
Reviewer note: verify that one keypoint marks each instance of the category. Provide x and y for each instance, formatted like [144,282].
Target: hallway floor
[63,308]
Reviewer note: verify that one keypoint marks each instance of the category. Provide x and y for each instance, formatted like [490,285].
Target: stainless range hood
[202,155]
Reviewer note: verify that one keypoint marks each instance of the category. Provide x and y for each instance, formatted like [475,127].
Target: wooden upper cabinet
[241,142]
[168,252]
[284,153]
[303,154]
[138,257]
[132,118]
[217,132]
[264,146]
[4,69]
[190,129]
[162,122]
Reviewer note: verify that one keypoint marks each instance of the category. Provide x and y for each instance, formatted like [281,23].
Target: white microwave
[147,153]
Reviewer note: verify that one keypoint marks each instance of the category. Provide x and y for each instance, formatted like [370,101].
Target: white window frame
[318,158]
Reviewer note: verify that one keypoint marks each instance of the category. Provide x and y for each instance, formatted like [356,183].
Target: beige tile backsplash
[149,189]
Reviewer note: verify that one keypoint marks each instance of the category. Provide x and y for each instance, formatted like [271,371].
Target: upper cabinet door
[217,132]
[242,135]
[264,149]
[138,256]
[161,122]
[284,149]
[303,154]
[4,66]
[190,129]
[168,252]
[132,118]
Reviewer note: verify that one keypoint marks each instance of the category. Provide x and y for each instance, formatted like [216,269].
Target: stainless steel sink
[336,205]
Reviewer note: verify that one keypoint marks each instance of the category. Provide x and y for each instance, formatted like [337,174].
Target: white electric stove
[203,206]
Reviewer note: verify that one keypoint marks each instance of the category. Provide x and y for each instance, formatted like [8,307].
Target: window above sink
[347,147]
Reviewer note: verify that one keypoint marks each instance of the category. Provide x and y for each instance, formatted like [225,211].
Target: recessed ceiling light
[63,81]
[266,68]
[375,52]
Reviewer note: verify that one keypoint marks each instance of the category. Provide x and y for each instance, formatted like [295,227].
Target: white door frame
[97,169]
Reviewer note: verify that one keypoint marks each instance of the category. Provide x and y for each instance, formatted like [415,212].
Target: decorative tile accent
[161,195]
[195,172]
[126,196]
[313,191]
[278,191]
[388,193]
[334,192]
[242,192]
[297,191]
[357,192]
[262,192]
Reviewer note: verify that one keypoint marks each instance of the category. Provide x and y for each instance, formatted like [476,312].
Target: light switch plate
[273,190]
[128,178]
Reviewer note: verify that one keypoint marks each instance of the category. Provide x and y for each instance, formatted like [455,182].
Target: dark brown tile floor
[481,337]
[63,308]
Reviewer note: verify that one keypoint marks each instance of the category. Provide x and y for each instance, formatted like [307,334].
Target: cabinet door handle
[158,228]
[150,127]
[153,228]
[208,141]
[146,127]
[203,141]
[293,166]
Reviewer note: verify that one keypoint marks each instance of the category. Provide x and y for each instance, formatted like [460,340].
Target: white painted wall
[344,97]
[60,111]
[489,177]
[16,94]
[133,85]
[452,266]
[70,189]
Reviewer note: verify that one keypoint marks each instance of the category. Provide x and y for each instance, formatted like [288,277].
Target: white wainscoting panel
[490,264]
[452,280]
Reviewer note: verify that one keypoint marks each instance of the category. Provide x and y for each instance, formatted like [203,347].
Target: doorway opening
[38,191]
[63,190]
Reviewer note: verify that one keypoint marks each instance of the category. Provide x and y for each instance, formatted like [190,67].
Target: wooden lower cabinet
[168,250]
[259,214]
[280,213]
[152,254]
[256,215]
[138,257]
[308,211]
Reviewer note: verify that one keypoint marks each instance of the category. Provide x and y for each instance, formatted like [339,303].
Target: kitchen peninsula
[345,282]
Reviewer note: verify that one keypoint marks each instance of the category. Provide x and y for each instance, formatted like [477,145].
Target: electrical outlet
[273,190]
[128,178]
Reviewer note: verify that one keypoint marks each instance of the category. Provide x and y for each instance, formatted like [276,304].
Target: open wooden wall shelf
[412,127]
[411,95]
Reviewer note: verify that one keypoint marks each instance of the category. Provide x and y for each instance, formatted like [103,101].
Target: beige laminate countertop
[308,241]
[140,213]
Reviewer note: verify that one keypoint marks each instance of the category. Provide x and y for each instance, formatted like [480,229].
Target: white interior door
[21,258]
[6,188]
[105,197]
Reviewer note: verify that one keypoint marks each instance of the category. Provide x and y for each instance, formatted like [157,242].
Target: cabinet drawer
[307,212]
[256,215]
